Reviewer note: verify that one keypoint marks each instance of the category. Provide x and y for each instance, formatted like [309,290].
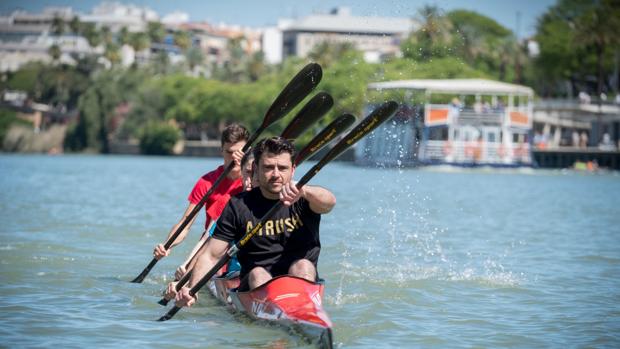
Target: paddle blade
[145,271]
[371,122]
[318,106]
[169,314]
[297,89]
[335,128]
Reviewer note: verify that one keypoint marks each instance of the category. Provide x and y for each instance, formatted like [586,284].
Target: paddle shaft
[372,121]
[317,143]
[293,93]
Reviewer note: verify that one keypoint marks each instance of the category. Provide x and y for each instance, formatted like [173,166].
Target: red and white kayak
[289,301]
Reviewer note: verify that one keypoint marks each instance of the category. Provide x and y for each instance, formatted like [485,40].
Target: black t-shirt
[290,234]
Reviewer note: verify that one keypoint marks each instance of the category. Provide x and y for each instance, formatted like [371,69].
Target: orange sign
[518,118]
[436,116]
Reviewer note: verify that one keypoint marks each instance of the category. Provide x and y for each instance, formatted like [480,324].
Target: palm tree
[256,66]
[194,57]
[54,51]
[75,25]
[112,53]
[156,31]
[124,36]
[92,35]
[58,26]
[433,39]
[182,39]
[139,41]
[327,53]
[598,28]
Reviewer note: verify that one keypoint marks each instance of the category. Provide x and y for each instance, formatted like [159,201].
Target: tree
[55,52]
[139,41]
[327,53]
[124,37]
[577,39]
[92,35]
[485,44]
[434,39]
[112,53]
[256,66]
[596,29]
[194,57]
[182,39]
[75,25]
[58,26]
[156,31]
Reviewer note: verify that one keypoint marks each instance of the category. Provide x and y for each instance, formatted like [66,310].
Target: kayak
[289,301]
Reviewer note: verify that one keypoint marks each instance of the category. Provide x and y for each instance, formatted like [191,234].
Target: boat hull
[289,301]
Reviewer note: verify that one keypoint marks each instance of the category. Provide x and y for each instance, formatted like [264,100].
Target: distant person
[584,98]
[478,107]
[606,143]
[583,140]
[234,138]
[575,139]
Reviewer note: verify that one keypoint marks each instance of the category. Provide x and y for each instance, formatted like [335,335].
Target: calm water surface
[412,258]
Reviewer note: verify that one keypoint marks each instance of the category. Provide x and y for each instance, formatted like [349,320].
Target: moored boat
[289,301]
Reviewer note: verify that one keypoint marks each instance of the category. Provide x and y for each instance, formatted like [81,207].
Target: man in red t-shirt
[234,138]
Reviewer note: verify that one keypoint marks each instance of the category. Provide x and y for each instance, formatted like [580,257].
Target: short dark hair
[234,133]
[273,145]
[249,156]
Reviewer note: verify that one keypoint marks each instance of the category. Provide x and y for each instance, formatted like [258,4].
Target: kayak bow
[289,301]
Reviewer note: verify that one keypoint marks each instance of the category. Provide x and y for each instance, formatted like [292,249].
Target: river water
[412,258]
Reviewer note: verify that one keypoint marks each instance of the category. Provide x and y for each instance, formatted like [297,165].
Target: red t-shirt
[219,198]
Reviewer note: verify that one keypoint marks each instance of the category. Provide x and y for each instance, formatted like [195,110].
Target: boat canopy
[456,86]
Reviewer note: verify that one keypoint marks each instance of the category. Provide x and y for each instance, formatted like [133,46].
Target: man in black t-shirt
[288,243]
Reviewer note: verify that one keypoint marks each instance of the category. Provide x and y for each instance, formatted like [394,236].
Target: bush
[158,138]
[7,119]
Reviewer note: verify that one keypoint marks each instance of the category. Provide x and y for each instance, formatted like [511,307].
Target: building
[115,16]
[27,37]
[377,37]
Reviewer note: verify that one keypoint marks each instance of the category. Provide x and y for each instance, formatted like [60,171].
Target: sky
[261,13]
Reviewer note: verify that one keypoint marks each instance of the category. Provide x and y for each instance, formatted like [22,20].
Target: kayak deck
[287,300]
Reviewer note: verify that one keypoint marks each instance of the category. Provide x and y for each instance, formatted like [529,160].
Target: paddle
[377,117]
[297,89]
[318,106]
[335,128]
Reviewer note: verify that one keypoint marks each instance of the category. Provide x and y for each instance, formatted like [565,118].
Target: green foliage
[92,35]
[96,108]
[158,138]
[182,39]
[53,84]
[433,40]
[156,31]
[55,52]
[7,119]
[578,40]
[58,26]
[139,41]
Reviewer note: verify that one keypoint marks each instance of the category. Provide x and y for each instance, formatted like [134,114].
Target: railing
[473,152]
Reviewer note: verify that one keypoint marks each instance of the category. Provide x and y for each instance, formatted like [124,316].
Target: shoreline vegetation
[97,104]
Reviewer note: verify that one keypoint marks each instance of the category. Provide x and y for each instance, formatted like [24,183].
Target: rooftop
[467,86]
[340,20]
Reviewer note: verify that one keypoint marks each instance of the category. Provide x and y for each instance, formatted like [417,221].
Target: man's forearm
[320,199]
[204,263]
